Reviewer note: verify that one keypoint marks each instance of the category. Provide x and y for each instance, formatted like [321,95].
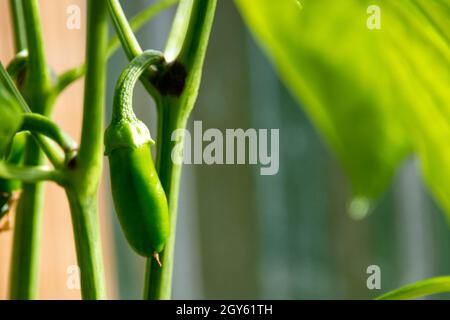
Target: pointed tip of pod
[156,257]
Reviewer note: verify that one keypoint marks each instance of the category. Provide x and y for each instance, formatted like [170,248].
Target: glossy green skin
[139,199]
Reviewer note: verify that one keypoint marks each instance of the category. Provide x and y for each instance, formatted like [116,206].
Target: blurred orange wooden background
[65,49]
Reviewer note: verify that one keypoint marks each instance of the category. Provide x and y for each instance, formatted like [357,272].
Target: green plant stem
[38,81]
[53,154]
[123,29]
[69,77]
[27,231]
[191,39]
[91,145]
[86,173]
[158,282]
[84,213]
[20,42]
[179,29]
[129,42]
[37,123]
[136,23]
[140,19]
[30,174]
[43,128]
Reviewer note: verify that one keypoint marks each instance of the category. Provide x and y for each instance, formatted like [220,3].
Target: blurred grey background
[288,236]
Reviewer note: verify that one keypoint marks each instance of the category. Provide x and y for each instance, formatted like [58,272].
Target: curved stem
[129,42]
[53,154]
[136,23]
[122,106]
[69,77]
[140,19]
[37,123]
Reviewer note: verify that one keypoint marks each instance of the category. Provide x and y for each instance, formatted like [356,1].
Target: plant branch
[20,42]
[87,170]
[84,214]
[179,28]
[37,123]
[30,174]
[123,30]
[42,128]
[91,145]
[174,112]
[140,19]
[136,23]
[129,42]
[69,77]
[158,279]
[27,231]
[39,79]
[53,154]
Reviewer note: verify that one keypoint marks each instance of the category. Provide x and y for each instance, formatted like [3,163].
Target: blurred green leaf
[419,289]
[376,95]
[10,120]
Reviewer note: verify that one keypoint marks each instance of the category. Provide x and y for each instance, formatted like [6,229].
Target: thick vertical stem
[25,255]
[27,234]
[91,146]
[88,245]
[158,283]
[38,82]
[87,169]
[187,45]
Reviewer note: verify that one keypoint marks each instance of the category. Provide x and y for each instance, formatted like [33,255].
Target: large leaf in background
[376,95]
[10,120]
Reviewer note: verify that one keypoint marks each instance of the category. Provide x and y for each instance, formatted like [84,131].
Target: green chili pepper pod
[138,195]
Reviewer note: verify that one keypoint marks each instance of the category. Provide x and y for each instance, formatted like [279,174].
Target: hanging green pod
[138,195]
